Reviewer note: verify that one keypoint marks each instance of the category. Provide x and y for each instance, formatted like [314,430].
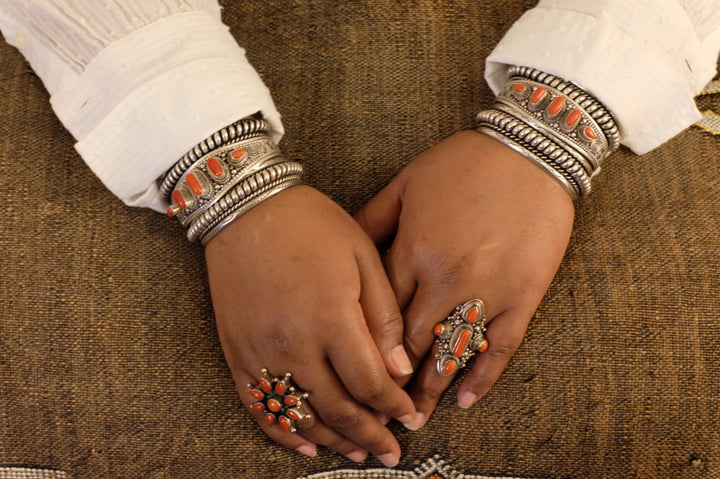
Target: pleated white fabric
[645,60]
[137,82]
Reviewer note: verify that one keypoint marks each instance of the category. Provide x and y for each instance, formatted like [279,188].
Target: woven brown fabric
[110,364]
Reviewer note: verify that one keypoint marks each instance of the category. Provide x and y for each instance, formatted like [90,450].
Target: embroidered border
[711,88]
[30,473]
[709,122]
[433,468]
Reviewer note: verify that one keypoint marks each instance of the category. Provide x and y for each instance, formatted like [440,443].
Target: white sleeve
[645,60]
[137,82]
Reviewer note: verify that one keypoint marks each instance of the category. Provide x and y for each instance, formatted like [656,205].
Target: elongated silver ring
[460,336]
[279,400]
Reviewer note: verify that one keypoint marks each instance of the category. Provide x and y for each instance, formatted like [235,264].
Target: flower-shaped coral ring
[280,400]
[460,336]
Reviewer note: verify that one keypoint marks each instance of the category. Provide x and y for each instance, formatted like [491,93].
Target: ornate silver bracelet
[555,124]
[532,144]
[577,93]
[214,174]
[245,195]
[226,175]
[280,185]
[240,130]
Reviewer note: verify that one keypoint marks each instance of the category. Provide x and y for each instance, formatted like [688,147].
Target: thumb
[382,314]
[379,217]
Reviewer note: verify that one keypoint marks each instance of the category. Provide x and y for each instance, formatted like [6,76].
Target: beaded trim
[434,467]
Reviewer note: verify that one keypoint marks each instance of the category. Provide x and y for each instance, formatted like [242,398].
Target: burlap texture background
[110,365]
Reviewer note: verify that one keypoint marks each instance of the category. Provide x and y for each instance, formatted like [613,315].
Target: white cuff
[146,99]
[641,59]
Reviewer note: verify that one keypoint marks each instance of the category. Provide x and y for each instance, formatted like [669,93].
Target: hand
[297,286]
[471,218]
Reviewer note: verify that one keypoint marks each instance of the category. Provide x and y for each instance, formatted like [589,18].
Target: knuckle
[387,321]
[345,419]
[502,352]
[337,443]
[371,393]
[437,265]
[307,422]
[286,341]
[429,393]
[280,341]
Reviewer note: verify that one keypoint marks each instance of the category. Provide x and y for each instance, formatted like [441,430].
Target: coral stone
[179,199]
[573,117]
[194,184]
[214,167]
[462,343]
[273,405]
[265,386]
[556,106]
[280,388]
[538,95]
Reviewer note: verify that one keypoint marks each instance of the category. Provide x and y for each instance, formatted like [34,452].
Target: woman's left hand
[469,218]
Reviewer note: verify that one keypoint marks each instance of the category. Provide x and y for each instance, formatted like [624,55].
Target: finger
[361,369]
[379,217]
[314,429]
[399,272]
[504,335]
[427,388]
[310,431]
[427,309]
[422,314]
[430,305]
[382,314]
[341,412]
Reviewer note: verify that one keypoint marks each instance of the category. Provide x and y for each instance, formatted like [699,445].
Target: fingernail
[416,422]
[466,399]
[357,456]
[382,417]
[407,418]
[309,450]
[401,360]
[389,459]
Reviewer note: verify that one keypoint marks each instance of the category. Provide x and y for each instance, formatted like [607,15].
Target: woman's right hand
[298,287]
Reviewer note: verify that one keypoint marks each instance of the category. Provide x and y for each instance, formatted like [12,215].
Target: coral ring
[279,400]
[460,336]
